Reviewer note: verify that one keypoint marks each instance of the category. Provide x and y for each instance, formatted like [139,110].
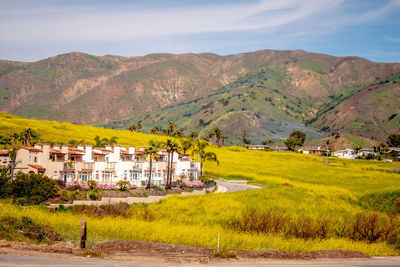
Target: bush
[4,186]
[60,183]
[123,185]
[93,195]
[366,226]
[92,184]
[35,188]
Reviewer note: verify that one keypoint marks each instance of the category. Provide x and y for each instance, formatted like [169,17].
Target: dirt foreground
[140,251]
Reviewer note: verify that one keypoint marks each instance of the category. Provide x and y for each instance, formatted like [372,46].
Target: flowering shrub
[107,187]
[193,184]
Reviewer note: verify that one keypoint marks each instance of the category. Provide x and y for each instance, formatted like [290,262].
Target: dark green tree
[393,140]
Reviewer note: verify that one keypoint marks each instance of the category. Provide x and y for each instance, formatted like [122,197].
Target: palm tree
[27,135]
[132,128]
[101,142]
[177,134]
[186,144]
[219,137]
[113,140]
[164,132]
[171,146]
[155,130]
[150,152]
[15,137]
[171,127]
[206,156]
[198,146]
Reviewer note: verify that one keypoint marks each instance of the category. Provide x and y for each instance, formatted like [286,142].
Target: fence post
[83,233]
[218,244]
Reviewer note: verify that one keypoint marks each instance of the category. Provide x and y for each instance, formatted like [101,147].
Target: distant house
[281,148]
[366,151]
[313,150]
[4,157]
[257,147]
[347,153]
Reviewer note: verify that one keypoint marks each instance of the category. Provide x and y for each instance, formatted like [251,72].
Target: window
[35,159]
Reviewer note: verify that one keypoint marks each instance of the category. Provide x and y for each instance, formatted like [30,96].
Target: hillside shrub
[24,228]
[92,184]
[366,226]
[35,188]
[123,185]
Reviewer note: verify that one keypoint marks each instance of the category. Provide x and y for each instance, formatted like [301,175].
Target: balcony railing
[87,166]
[69,166]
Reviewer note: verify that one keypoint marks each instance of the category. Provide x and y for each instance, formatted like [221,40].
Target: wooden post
[83,233]
[218,243]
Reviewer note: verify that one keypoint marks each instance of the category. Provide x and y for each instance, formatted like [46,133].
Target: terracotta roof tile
[35,166]
[32,149]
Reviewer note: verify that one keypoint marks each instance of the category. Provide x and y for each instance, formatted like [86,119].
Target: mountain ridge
[259,92]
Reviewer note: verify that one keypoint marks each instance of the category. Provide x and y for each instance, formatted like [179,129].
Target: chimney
[38,146]
[80,147]
[108,147]
[88,154]
[131,150]
[64,149]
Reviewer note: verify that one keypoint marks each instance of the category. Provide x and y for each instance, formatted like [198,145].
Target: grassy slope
[295,184]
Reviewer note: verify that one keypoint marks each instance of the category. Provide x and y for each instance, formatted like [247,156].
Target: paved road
[13,260]
[233,187]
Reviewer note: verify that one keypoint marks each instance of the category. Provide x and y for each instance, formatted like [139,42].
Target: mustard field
[305,203]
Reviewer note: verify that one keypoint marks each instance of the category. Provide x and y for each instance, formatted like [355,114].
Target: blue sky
[31,30]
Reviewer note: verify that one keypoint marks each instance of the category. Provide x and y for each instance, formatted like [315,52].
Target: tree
[393,140]
[100,142]
[35,188]
[292,143]
[244,137]
[219,137]
[202,155]
[155,130]
[5,140]
[74,142]
[132,128]
[171,127]
[186,144]
[295,139]
[113,140]
[177,134]
[150,152]
[164,132]
[357,148]
[298,135]
[269,142]
[206,156]
[28,135]
[171,146]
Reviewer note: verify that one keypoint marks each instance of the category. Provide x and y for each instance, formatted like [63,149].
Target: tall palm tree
[171,146]
[219,137]
[186,144]
[206,156]
[152,153]
[199,145]
[164,132]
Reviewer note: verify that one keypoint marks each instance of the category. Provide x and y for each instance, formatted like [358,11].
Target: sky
[31,30]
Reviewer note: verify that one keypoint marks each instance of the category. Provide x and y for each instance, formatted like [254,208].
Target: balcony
[110,166]
[70,166]
[87,166]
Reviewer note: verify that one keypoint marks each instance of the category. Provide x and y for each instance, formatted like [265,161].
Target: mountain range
[261,95]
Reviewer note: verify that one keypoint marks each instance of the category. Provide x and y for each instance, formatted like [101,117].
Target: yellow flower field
[298,186]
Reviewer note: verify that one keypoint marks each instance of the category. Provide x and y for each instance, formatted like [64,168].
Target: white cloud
[77,23]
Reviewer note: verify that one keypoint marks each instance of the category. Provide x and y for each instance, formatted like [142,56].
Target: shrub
[60,183]
[93,195]
[4,186]
[193,184]
[75,187]
[35,188]
[123,185]
[92,184]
